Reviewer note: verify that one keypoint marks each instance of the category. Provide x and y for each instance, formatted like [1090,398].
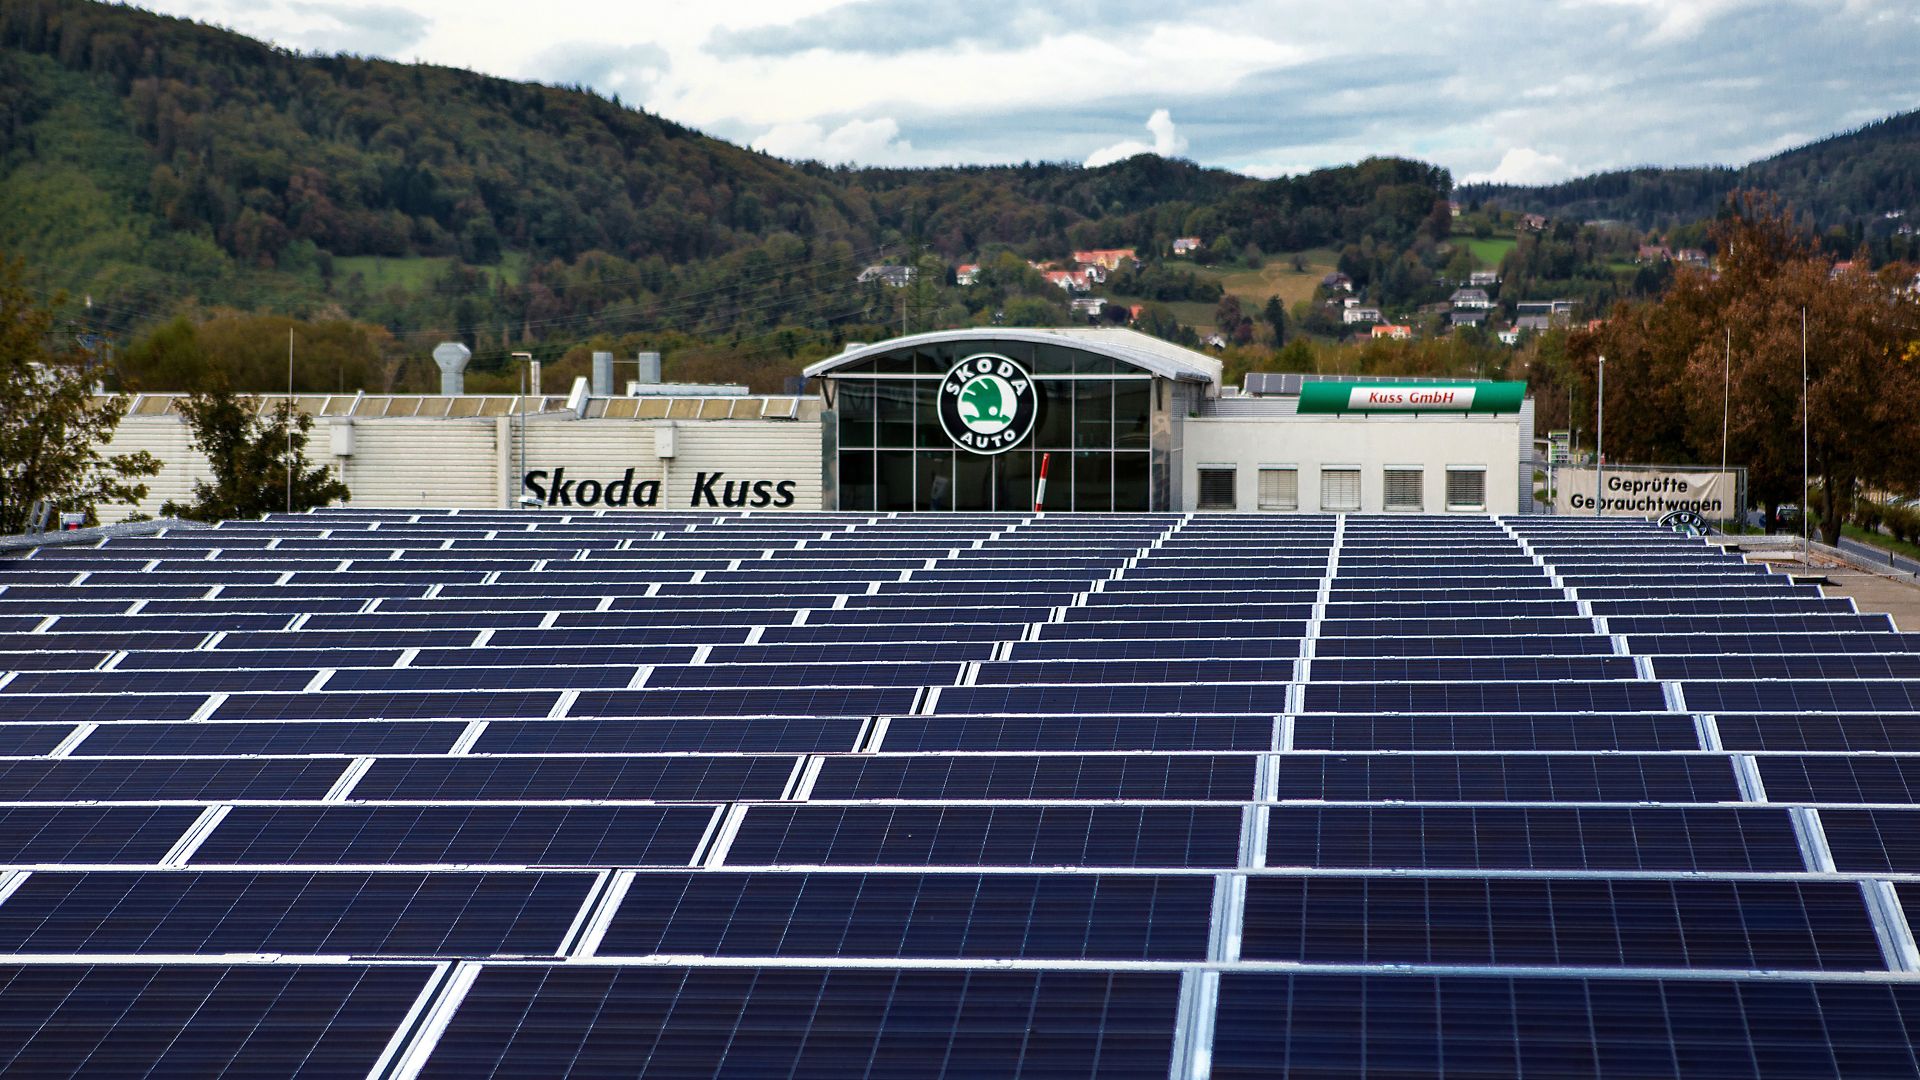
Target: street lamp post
[1600,443]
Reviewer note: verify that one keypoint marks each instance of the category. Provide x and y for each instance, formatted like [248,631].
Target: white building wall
[406,463]
[401,463]
[1371,444]
[181,466]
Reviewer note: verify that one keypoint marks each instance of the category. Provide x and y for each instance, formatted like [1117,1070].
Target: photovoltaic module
[463,794]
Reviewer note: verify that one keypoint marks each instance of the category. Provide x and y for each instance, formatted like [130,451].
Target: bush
[1903,522]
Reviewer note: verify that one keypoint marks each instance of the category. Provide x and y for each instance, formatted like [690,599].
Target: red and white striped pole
[1040,493]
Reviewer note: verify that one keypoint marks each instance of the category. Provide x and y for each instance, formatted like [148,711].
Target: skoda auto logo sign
[987,403]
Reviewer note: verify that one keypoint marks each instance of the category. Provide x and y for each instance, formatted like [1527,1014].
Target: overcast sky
[1527,93]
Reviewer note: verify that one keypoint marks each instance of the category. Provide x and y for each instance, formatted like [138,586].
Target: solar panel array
[470,794]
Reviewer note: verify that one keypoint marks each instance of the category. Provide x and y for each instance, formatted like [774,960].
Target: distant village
[1335,300]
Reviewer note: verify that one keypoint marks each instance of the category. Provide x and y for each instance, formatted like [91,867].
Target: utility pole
[525,360]
[289,419]
[1806,510]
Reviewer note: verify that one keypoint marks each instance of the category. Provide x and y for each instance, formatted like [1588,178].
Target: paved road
[1879,556]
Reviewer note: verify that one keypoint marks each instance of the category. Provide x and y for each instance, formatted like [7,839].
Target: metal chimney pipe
[452,357]
[603,374]
[649,367]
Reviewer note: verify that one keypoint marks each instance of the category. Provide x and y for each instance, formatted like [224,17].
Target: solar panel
[523,793]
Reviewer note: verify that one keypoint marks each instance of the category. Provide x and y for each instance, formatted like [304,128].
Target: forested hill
[1849,181]
[156,164]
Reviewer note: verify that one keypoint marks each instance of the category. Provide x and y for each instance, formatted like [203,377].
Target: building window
[1467,487]
[1339,489]
[1279,489]
[1403,489]
[1216,489]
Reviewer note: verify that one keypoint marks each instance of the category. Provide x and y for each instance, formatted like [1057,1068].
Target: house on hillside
[1690,257]
[1509,336]
[1185,245]
[1106,258]
[1467,317]
[1396,331]
[1533,223]
[1337,282]
[1542,314]
[1357,314]
[1089,306]
[1472,299]
[966,273]
[898,277]
[1652,253]
[1070,280]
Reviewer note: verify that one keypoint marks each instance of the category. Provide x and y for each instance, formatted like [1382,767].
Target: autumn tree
[53,427]
[1740,331]
[257,456]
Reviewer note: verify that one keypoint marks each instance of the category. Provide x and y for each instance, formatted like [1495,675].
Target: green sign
[1461,397]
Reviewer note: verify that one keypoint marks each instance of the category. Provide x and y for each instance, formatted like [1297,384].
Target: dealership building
[968,420]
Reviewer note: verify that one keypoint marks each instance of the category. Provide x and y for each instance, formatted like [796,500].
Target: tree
[252,453]
[1667,360]
[52,425]
[1275,315]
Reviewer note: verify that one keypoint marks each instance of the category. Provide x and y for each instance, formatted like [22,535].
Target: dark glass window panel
[1053,429]
[973,481]
[854,400]
[893,486]
[893,412]
[1132,482]
[1132,414]
[1092,414]
[1092,482]
[855,469]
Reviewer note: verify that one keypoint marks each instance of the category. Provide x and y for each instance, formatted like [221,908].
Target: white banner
[1410,398]
[1649,493]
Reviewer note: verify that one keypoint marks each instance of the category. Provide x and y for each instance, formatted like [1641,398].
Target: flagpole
[1726,401]
[1805,440]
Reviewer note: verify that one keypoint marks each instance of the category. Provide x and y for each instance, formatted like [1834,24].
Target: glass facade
[1097,428]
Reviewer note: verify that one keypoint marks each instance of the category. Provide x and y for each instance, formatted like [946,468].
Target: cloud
[1524,165]
[627,70]
[866,142]
[894,26]
[366,29]
[1167,142]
